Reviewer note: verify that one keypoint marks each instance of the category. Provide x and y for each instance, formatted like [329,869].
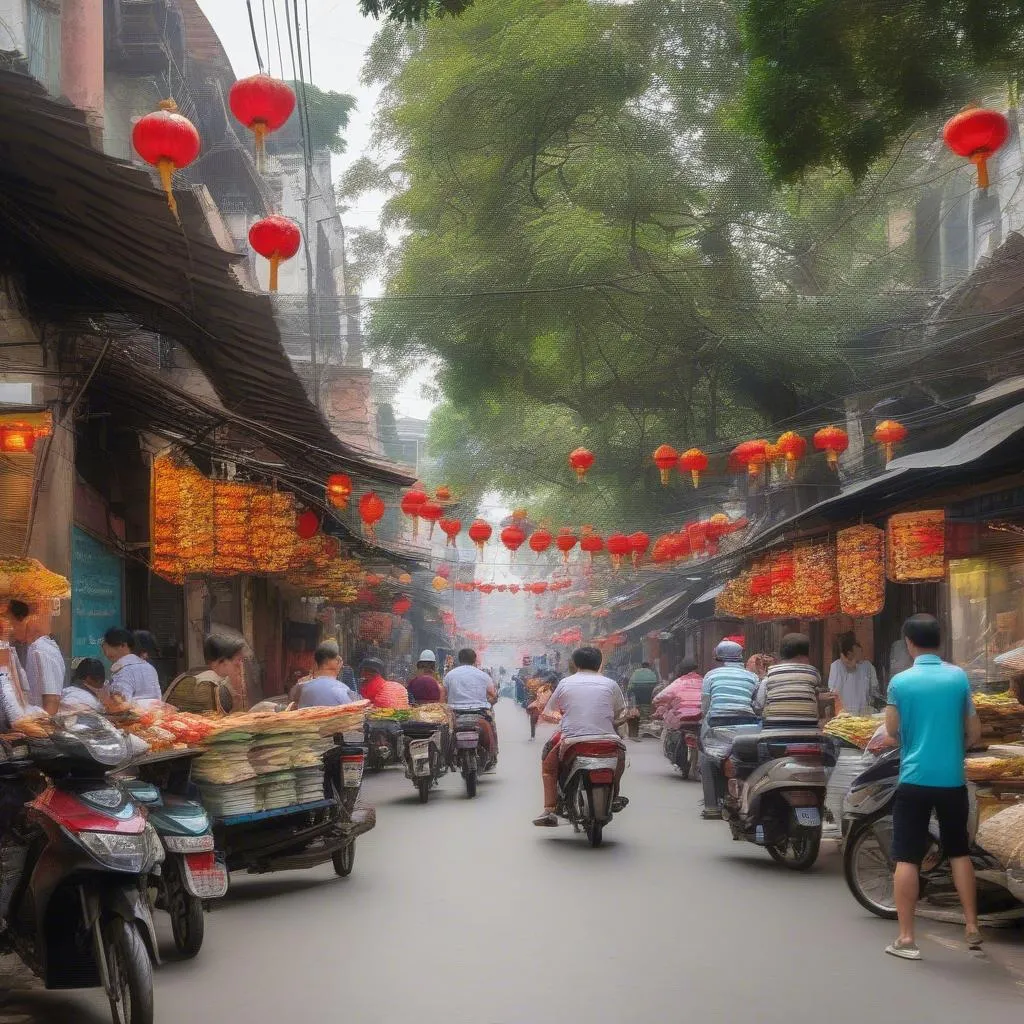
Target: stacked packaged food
[1002,716]
[854,729]
[860,564]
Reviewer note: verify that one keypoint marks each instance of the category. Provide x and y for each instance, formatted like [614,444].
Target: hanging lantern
[715,529]
[339,489]
[694,462]
[411,503]
[513,538]
[263,104]
[401,605]
[833,441]
[540,588]
[665,458]
[639,542]
[793,448]
[371,579]
[17,438]
[513,588]
[580,461]
[431,511]
[480,533]
[565,542]
[519,515]
[443,494]
[591,542]
[697,537]
[618,547]
[167,141]
[752,455]
[277,239]
[371,511]
[451,529]
[540,540]
[976,133]
[404,578]
[888,434]
[439,583]
[485,588]
[307,524]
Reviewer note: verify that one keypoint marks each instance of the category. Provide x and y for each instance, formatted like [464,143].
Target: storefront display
[916,546]
[860,565]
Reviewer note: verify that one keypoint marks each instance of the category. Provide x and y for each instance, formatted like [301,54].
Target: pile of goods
[1002,835]
[162,727]
[436,714]
[389,714]
[853,729]
[916,546]
[994,769]
[860,562]
[1002,716]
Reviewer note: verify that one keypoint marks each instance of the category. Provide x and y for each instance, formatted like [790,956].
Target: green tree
[410,11]
[595,254]
[328,115]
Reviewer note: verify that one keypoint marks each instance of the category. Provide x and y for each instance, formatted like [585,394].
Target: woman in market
[87,688]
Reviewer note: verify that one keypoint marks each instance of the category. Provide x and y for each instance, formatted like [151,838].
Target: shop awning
[658,612]
[703,606]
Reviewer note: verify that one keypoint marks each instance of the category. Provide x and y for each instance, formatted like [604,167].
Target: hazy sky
[339,35]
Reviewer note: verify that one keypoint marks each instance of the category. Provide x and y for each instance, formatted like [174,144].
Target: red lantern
[639,542]
[431,511]
[752,455]
[581,460]
[976,133]
[277,239]
[665,457]
[167,141]
[793,448]
[263,104]
[592,543]
[888,434]
[411,503]
[619,546]
[402,605]
[339,489]
[371,511]
[485,588]
[540,588]
[697,537]
[307,524]
[513,588]
[540,540]
[694,462]
[373,580]
[480,533]
[513,538]
[565,542]
[443,494]
[17,438]
[451,529]
[833,441]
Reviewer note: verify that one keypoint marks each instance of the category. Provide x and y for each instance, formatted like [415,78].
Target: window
[44,43]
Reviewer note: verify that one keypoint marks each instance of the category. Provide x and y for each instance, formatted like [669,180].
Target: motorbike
[192,874]
[776,792]
[383,743]
[586,786]
[470,755]
[682,748]
[867,859]
[75,864]
[424,755]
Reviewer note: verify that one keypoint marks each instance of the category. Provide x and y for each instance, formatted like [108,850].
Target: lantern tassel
[166,169]
[980,160]
[665,476]
[695,477]
[259,130]
[790,467]
[580,474]
[833,460]
[888,452]
[275,262]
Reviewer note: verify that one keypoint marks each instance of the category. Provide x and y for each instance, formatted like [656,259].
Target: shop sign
[96,593]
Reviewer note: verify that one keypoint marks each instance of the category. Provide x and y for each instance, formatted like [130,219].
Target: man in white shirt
[591,706]
[470,689]
[131,678]
[87,688]
[44,664]
[851,678]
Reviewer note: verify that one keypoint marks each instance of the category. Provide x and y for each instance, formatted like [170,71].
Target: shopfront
[97,590]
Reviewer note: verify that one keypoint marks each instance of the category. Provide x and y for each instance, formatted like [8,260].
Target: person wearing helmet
[727,701]
[424,687]
[380,692]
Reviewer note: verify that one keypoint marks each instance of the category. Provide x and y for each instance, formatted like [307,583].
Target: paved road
[462,913]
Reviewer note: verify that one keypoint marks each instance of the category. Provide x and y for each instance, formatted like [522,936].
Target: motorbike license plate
[808,816]
[352,774]
[466,740]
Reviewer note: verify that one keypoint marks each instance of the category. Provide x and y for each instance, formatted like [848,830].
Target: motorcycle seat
[467,720]
[420,730]
[749,747]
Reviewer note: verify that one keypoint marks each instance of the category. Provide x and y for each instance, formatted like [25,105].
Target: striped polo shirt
[790,694]
[731,689]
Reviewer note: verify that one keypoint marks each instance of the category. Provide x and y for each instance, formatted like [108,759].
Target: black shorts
[911,816]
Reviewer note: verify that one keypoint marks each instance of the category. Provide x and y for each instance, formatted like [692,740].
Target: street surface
[462,912]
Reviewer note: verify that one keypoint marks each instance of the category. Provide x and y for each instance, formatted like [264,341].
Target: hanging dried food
[860,563]
[916,546]
[816,590]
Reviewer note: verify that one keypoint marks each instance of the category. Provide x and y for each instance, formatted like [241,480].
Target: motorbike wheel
[187,921]
[533,727]
[344,860]
[867,870]
[595,833]
[693,765]
[423,785]
[798,853]
[131,974]
[470,776]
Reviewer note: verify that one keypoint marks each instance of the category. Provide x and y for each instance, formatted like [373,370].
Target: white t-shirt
[589,703]
[44,669]
[467,687]
[79,698]
[854,686]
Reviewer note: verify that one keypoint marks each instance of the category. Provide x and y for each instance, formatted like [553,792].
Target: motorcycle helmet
[427,656]
[728,650]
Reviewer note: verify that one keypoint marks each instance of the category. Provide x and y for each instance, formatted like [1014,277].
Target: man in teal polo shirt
[931,711]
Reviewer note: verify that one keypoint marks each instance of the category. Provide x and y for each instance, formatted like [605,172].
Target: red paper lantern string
[277,239]
[618,547]
[371,511]
[451,529]
[694,462]
[580,461]
[665,458]
[263,104]
[565,542]
[167,141]
[480,533]
[639,543]
[339,489]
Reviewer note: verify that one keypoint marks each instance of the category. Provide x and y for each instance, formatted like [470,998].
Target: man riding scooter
[727,700]
[592,707]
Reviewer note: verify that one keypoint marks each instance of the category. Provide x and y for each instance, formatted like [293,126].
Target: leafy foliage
[836,82]
[328,115]
[409,11]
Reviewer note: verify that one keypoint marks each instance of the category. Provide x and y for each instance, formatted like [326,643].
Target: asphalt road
[461,912]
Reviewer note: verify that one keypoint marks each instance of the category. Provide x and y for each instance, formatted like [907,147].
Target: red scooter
[586,786]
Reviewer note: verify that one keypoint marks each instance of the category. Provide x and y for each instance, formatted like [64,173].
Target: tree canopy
[594,253]
[410,11]
[837,82]
[328,115]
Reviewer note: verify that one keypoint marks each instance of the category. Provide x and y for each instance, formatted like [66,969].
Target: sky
[339,36]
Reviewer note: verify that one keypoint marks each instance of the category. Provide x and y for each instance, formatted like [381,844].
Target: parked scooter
[75,864]
[776,792]
[472,755]
[424,755]
[586,786]
[867,854]
[192,874]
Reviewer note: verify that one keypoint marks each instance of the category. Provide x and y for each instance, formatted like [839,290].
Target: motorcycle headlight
[128,853]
